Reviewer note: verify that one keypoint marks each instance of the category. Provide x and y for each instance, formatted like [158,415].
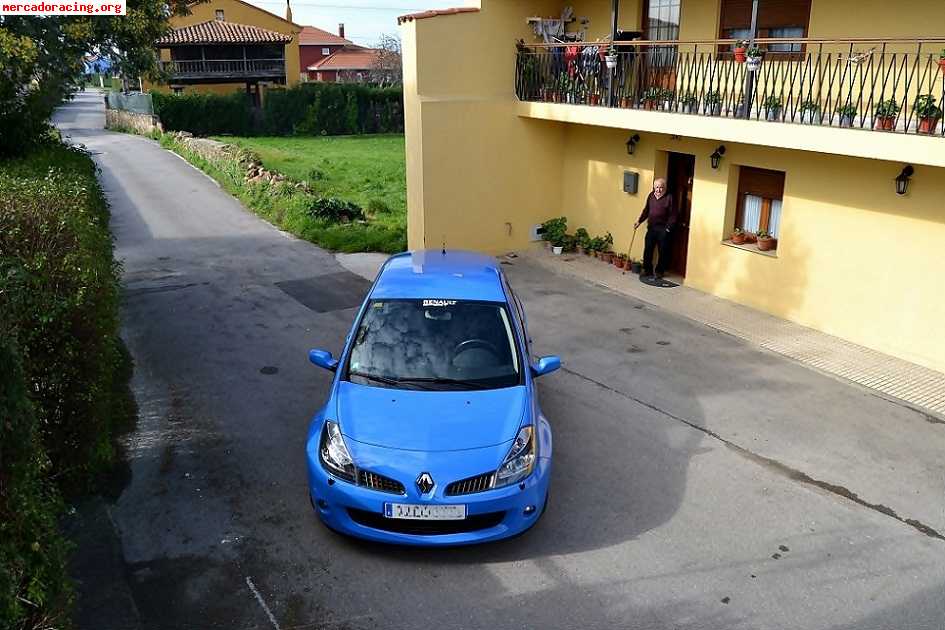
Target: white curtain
[774,222]
[751,217]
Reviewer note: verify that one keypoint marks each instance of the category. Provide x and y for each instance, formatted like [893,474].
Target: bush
[376,206]
[317,109]
[205,114]
[59,296]
[34,590]
[336,210]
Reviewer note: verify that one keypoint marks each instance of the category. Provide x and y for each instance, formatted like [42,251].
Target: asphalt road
[656,520]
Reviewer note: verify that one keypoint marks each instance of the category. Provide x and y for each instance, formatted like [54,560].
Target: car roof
[440,274]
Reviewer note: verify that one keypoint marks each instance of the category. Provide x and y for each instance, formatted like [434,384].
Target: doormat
[658,283]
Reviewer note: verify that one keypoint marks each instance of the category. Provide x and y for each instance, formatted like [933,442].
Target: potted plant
[606,243]
[886,112]
[847,113]
[620,261]
[928,111]
[553,231]
[713,103]
[652,96]
[689,103]
[741,47]
[772,105]
[610,59]
[582,241]
[557,247]
[666,98]
[636,266]
[941,61]
[810,113]
[753,58]
[766,242]
[738,236]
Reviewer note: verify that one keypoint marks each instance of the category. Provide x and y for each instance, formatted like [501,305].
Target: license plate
[425,512]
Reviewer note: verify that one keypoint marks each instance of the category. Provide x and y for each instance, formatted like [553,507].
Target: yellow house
[228,45]
[832,142]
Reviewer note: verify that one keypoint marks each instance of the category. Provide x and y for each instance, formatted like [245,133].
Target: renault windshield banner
[44,7]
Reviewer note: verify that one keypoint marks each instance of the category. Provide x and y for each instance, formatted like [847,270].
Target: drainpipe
[750,78]
[613,38]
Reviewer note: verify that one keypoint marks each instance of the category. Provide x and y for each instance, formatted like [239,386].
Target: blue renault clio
[432,433]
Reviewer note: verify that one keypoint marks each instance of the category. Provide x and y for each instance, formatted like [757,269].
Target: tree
[387,68]
[41,60]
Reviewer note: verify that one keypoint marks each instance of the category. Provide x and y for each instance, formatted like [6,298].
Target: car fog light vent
[471,485]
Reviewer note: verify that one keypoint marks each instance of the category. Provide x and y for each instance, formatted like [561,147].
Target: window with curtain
[760,194]
[661,23]
[776,18]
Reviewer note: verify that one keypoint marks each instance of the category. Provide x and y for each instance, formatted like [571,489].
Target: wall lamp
[632,143]
[717,156]
[902,179]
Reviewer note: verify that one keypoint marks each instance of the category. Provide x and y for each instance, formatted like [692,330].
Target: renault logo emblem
[425,483]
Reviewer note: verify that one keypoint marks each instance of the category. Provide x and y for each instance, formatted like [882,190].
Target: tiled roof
[220,32]
[311,36]
[433,13]
[347,60]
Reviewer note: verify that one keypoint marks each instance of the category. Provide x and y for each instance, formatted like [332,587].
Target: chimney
[341,30]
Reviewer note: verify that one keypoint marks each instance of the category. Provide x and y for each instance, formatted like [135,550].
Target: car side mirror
[546,365]
[323,359]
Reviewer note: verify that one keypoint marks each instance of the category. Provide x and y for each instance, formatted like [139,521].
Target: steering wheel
[471,344]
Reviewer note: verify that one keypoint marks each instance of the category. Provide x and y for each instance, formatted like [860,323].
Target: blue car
[432,433]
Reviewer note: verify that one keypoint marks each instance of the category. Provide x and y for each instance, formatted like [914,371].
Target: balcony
[224,69]
[889,86]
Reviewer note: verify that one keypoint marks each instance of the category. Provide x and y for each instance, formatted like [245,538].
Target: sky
[365,20]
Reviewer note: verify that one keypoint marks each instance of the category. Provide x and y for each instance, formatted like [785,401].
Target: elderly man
[660,213]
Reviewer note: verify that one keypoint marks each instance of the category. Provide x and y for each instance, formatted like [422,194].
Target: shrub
[376,206]
[59,296]
[317,109]
[205,114]
[553,230]
[334,209]
[34,590]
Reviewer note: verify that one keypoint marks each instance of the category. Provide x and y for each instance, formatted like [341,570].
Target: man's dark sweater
[660,212]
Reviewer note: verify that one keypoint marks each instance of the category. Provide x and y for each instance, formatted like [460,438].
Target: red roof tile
[311,36]
[347,60]
[435,12]
[220,32]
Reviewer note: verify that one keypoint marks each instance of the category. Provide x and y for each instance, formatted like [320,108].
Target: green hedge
[205,114]
[59,295]
[34,591]
[307,109]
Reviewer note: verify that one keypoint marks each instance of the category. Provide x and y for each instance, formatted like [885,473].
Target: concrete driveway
[655,522]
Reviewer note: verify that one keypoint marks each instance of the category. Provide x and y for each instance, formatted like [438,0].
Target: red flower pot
[650,105]
[594,99]
[625,102]
[886,124]
[740,54]
[941,65]
[607,257]
[767,244]
[739,238]
[928,125]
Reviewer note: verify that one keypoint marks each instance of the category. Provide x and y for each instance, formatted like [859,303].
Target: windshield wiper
[445,381]
[386,380]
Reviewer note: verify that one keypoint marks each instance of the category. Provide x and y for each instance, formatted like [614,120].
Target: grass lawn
[361,169]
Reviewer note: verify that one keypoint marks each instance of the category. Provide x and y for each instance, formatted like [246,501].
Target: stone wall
[140,123]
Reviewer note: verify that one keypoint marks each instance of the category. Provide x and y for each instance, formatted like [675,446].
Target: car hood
[429,420]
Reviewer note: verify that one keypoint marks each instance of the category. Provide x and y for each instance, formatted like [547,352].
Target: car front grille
[379,482]
[472,523]
[471,485]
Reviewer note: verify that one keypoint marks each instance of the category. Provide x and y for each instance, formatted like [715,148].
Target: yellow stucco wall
[241,13]
[854,259]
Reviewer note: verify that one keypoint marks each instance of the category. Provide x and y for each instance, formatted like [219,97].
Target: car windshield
[435,344]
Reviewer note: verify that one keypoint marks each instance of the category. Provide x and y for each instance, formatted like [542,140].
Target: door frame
[678,165]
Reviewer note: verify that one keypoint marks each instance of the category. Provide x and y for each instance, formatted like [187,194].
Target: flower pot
[579,249]
[750,238]
[810,117]
[941,65]
[619,262]
[740,54]
[649,105]
[886,124]
[636,266]
[738,238]
[625,102]
[753,63]
[767,244]
[846,120]
[714,109]
[557,249]
[928,125]
[690,108]
[607,257]
[773,114]
[611,61]
[594,99]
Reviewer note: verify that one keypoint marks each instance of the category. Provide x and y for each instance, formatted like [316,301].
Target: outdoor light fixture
[717,156]
[632,143]
[902,180]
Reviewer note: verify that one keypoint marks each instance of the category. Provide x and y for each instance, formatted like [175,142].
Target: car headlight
[334,454]
[520,461]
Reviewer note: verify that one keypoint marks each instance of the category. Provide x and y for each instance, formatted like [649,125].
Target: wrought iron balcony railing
[887,85]
[225,68]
